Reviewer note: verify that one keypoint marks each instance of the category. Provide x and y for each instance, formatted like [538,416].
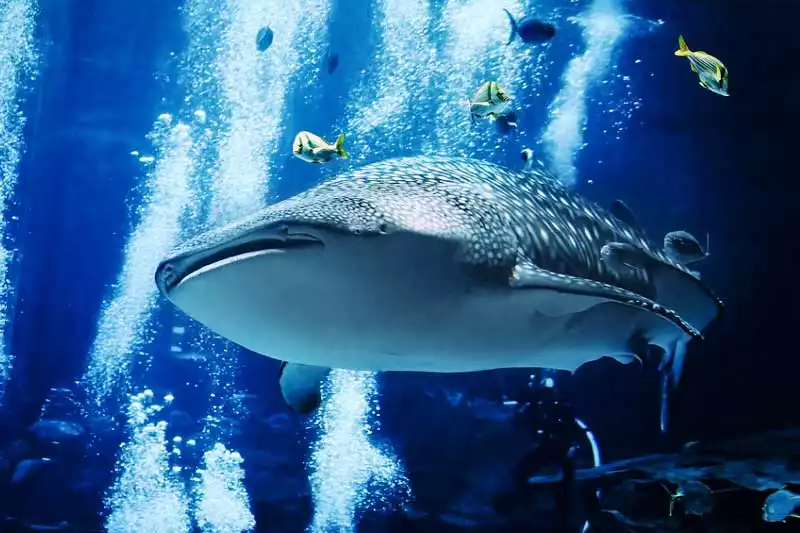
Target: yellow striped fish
[712,73]
[314,149]
[490,100]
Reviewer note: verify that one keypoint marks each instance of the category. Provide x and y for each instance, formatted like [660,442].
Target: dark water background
[688,160]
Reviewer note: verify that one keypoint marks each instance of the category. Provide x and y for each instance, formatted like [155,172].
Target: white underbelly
[400,304]
[478,332]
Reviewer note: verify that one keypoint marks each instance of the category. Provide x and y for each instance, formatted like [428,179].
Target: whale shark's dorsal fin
[624,213]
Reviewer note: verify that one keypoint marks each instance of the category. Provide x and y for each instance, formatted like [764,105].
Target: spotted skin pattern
[501,219]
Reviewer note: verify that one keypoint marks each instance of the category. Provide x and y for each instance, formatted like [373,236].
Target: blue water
[125,128]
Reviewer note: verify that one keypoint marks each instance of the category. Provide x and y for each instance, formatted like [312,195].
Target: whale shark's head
[285,288]
[350,267]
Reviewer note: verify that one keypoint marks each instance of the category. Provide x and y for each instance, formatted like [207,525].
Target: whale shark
[437,264]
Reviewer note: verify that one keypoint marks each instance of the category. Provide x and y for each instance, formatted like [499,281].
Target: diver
[556,438]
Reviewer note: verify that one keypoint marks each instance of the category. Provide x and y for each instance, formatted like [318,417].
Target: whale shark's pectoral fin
[528,275]
[301,386]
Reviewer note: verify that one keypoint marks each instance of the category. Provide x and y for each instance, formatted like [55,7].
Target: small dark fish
[61,526]
[781,505]
[332,61]
[279,421]
[620,256]
[506,123]
[264,38]
[695,498]
[530,30]
[684,248]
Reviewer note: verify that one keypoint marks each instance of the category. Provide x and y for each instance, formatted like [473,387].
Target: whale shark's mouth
[172,273]
[325,296]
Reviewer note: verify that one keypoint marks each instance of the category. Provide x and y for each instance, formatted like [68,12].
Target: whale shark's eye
[168,274]
[383,229]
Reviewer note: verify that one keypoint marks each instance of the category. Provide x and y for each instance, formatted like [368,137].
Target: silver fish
[684,248]
[434,264]
[490,100]
[712,72]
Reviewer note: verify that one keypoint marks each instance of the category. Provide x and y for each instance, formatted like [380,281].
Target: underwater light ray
[348,473]
[245,91]
[604,23]
[253,89]
[255,86]
[147,495]
[223,505]
[402,52]
[382,105]
[475,51]
[18,58]
[122,327]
